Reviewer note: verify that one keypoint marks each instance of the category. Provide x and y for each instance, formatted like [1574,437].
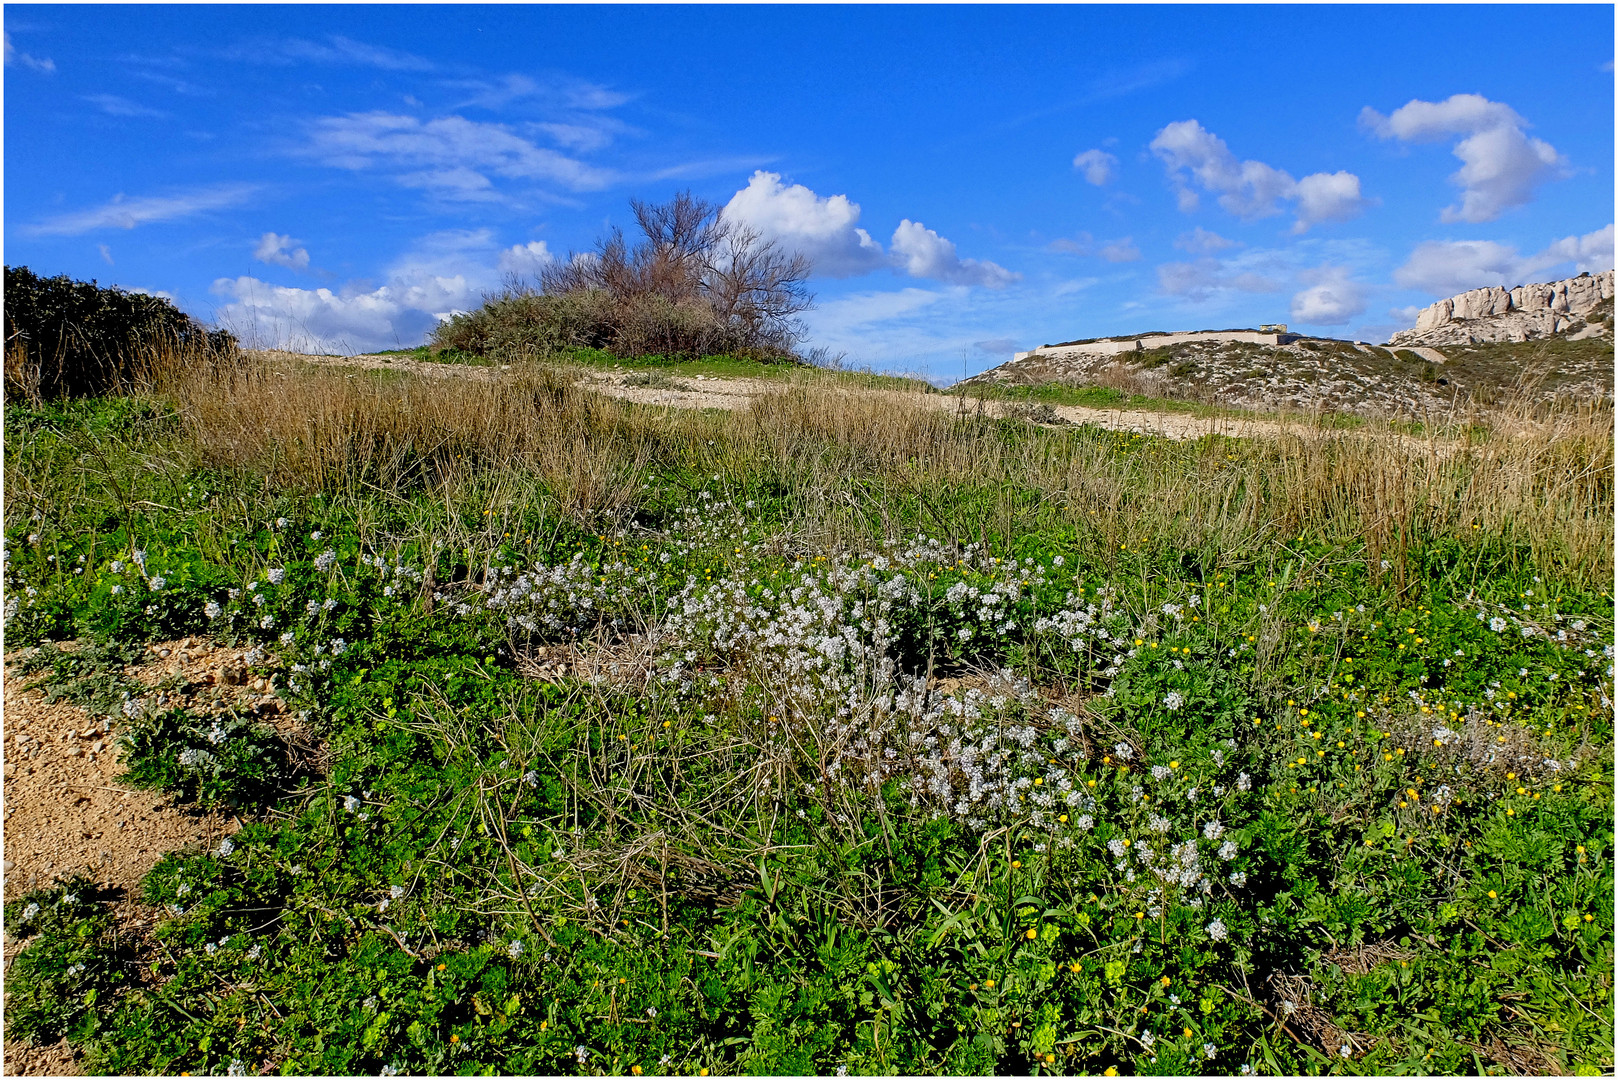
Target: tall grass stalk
[1538,481]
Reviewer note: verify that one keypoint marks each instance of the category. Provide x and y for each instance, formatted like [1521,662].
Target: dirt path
[66,811]
[732,394]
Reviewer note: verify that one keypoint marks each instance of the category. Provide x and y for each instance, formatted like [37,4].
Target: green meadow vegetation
[829,735]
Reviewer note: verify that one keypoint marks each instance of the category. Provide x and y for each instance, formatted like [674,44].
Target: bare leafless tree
[757,287]
[693,259]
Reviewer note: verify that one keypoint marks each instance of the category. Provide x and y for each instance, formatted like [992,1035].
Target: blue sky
[968,180]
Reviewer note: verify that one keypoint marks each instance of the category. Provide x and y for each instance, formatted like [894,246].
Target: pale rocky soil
[65,810]
[1310,375]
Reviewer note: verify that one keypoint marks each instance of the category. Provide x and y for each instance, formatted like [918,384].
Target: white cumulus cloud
[1250,189]
[440,274]
[1447,267]
[1500,164]
[1200,241]
[1328,197]
[278,250]
[1121,251]
[924,254]
[1332,300]
[825,229]
[1098,166]
[324,321]
[1590,253]
[525,259]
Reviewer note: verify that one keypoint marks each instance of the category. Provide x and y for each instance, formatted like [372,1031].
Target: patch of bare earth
[66,811]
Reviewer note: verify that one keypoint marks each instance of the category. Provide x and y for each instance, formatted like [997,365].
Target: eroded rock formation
[1520,314]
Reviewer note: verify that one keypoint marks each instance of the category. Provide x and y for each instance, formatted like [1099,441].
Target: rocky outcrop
[1520,314]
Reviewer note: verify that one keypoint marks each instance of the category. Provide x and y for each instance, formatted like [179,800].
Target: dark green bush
[74,338]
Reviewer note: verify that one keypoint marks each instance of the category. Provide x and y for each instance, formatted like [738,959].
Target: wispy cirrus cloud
[124,213]
[451,156]
[43,65]
[113,105]
[561,92]
[1203,278]
[334,49]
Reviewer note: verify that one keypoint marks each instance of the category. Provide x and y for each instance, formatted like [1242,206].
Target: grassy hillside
[828,735]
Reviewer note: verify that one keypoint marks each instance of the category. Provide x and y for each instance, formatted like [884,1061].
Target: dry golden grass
[1539,479]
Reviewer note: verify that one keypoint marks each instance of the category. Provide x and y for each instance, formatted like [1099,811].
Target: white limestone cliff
[1500,314]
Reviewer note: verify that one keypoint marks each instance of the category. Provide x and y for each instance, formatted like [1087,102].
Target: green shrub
[72,338]
[53,985]
[217,760]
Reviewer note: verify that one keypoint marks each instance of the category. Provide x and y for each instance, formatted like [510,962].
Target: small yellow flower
[1110,1071]
[1188,1033]
[1493,895]
[1165,980]
[454,1038]
[702,1072]
[1032,934]
[1016,864]
[1062,818]
[989,983]
[1522,791]
[634,1070]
